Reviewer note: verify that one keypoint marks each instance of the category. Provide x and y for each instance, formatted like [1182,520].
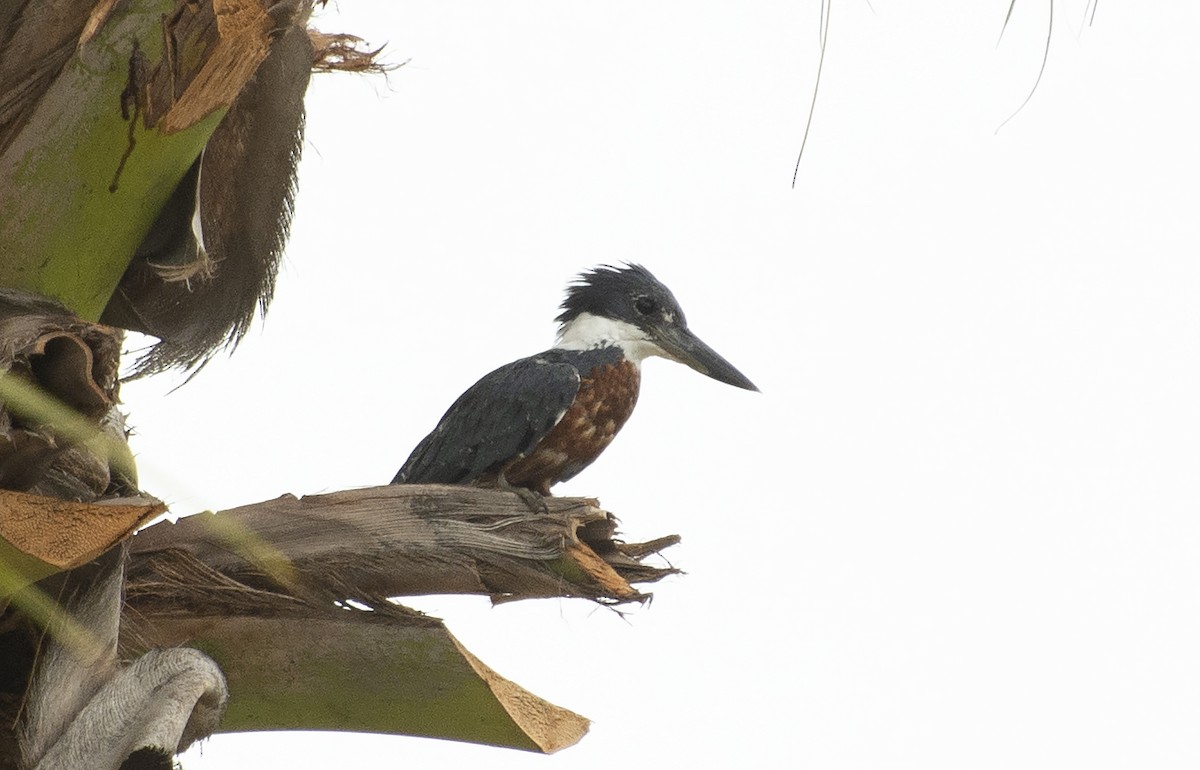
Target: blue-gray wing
[498,419]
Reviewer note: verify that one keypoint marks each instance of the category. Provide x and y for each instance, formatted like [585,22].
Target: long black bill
[686,348]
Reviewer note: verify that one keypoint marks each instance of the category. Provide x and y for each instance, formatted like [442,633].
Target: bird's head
[627,306]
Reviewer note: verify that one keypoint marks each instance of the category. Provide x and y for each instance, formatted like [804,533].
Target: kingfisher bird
[540,420]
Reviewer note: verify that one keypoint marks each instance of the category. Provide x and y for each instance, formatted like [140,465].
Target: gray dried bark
[370,544]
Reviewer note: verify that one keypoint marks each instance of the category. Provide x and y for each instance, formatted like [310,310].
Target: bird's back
[504,416]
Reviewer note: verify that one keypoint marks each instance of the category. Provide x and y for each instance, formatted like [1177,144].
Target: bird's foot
[533,499]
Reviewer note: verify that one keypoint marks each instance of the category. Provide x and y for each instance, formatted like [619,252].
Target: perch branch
[289,597]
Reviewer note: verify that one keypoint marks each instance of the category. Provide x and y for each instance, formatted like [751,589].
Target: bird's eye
[645,305]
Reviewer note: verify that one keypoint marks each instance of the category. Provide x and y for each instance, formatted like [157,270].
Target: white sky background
[959,526]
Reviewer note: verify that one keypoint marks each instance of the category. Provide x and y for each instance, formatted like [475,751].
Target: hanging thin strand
[812,107]
[1041,70]
[1007,16]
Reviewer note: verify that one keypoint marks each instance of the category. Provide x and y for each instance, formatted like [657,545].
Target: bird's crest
[602,290]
